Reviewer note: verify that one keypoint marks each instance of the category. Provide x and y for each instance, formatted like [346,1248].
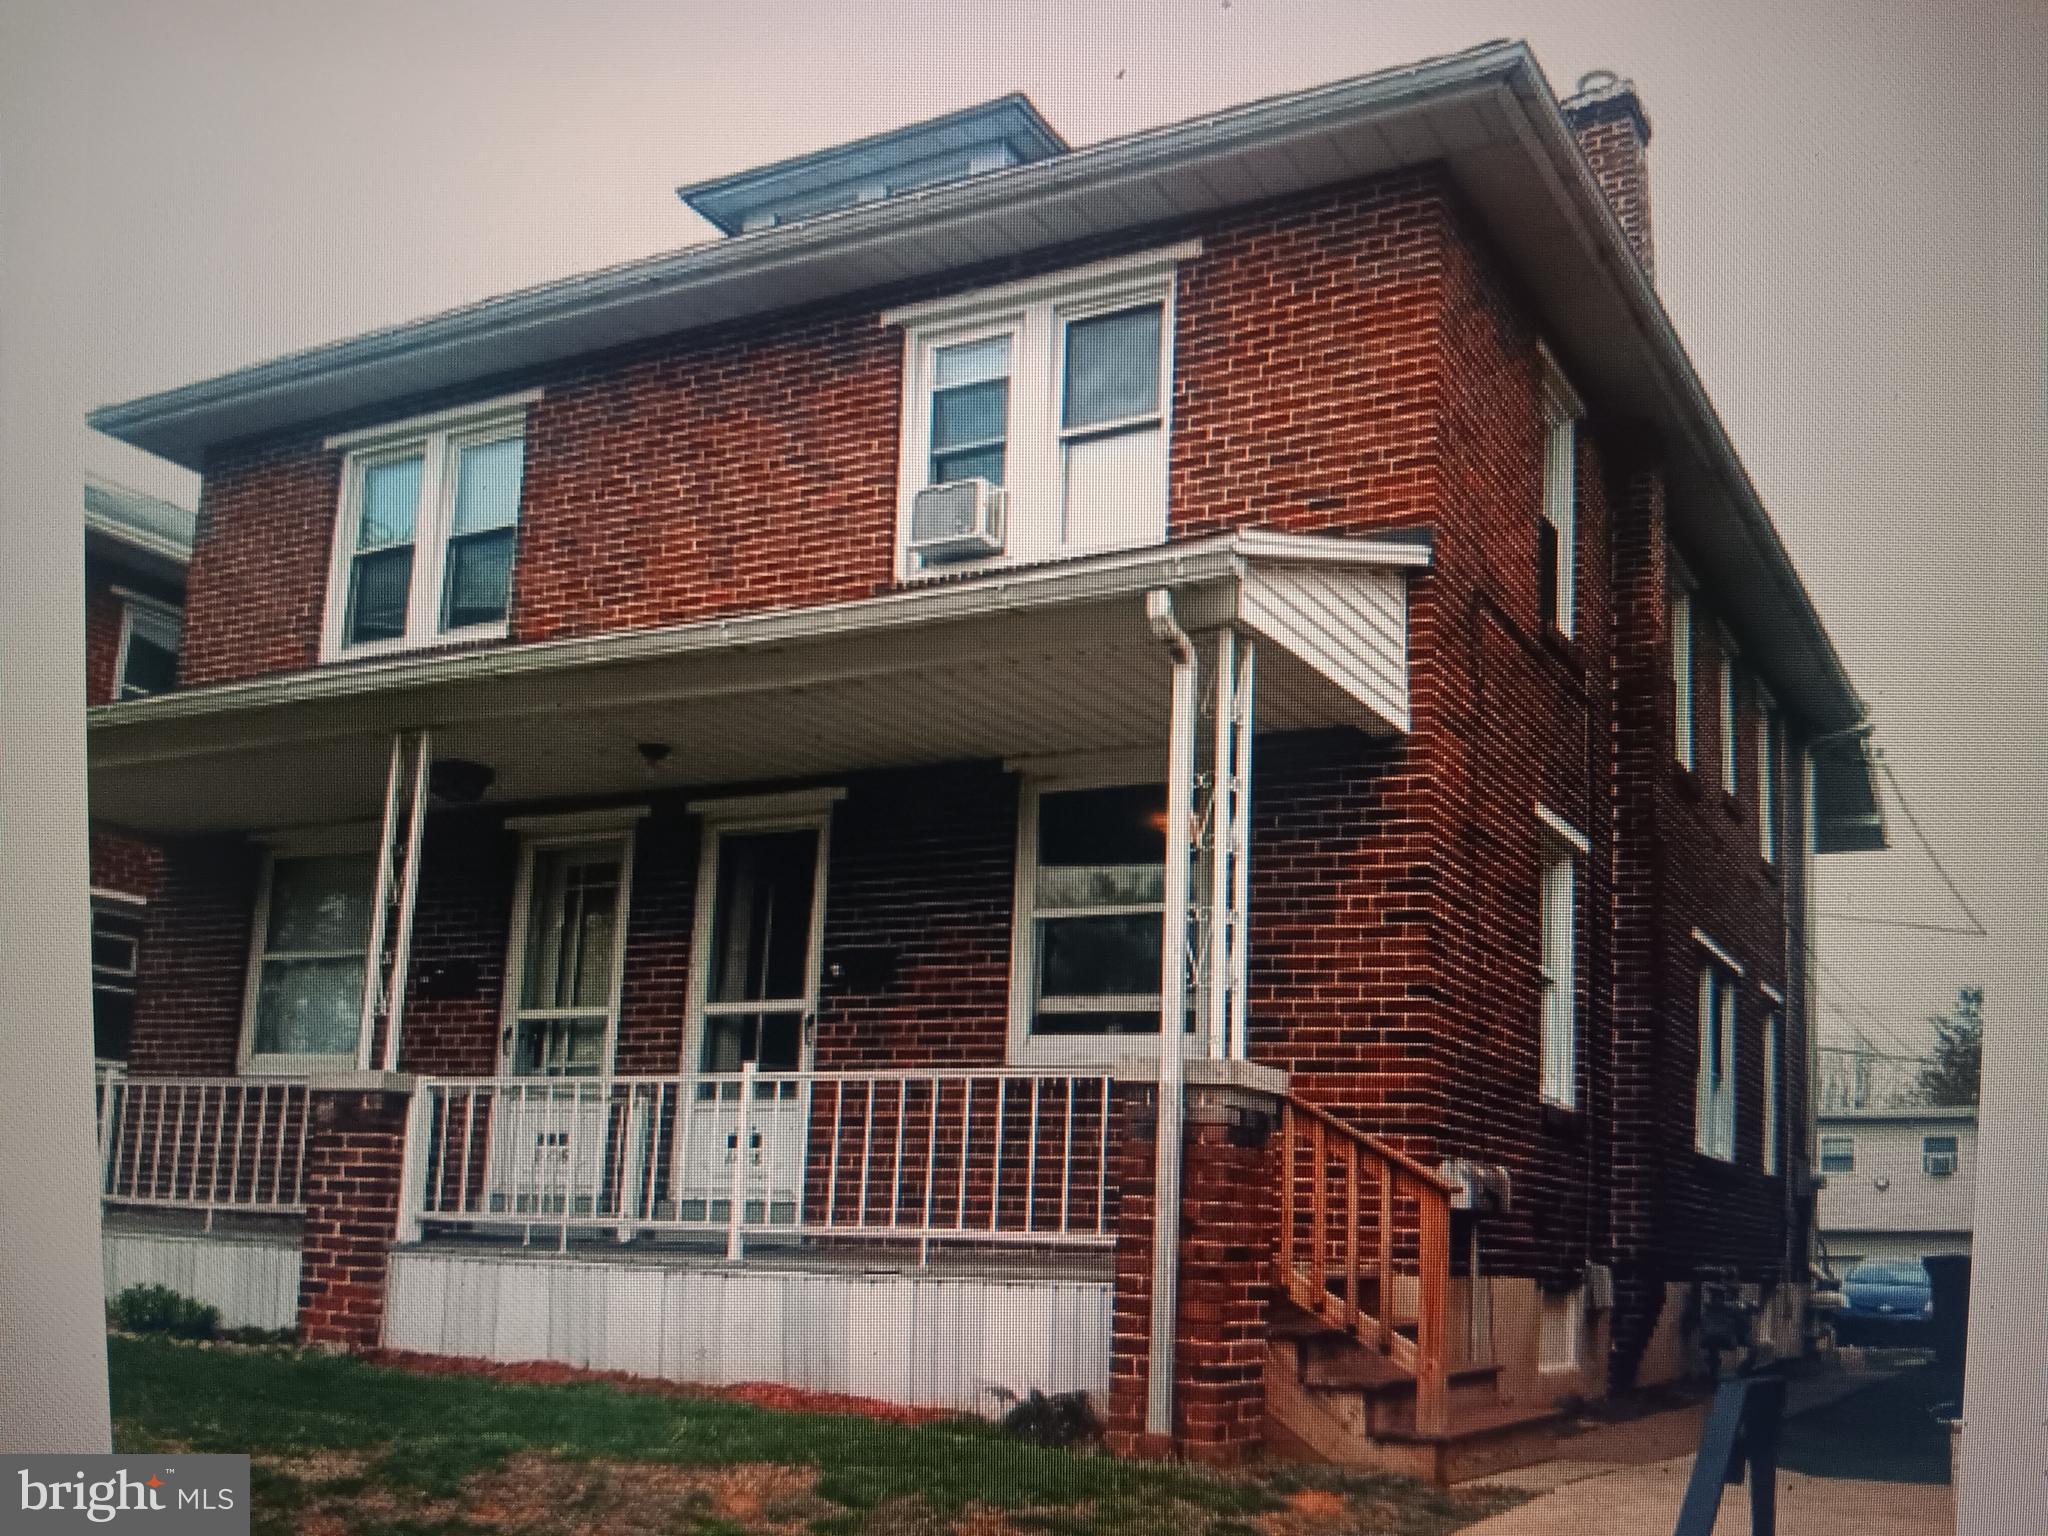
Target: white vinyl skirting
[945,1341]
[253,1280]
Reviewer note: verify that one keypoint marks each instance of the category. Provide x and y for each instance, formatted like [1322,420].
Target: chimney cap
[1601,94]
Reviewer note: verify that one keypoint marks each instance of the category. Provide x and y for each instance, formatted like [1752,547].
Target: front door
[755,995]
[549,1141]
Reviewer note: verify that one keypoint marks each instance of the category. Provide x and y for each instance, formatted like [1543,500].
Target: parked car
[1885,1301]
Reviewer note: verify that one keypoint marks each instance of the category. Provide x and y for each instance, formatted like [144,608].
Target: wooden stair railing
[1389,1212]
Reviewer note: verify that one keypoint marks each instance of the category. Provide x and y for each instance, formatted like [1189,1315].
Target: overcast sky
[1849,221]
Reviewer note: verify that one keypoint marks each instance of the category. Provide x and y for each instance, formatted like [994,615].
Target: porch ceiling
[1018,664]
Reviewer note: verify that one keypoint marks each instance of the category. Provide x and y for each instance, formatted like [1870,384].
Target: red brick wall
[754,468]
[353,1161]
[195,959]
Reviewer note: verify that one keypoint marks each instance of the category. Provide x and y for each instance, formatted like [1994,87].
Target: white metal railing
[959,1155]
[202,1143]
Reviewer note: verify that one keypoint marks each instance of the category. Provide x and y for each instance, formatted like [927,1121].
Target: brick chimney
[1614,133]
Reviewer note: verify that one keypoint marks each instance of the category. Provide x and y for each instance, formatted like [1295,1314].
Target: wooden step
[1480,1442]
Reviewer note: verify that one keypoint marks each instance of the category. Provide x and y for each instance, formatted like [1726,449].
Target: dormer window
[428,523]
[1054,390]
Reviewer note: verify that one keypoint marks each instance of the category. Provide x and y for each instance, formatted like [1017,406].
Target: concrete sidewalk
[1643,1501]
[1628,1479]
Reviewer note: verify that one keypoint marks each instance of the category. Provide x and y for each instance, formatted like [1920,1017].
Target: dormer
[990,137]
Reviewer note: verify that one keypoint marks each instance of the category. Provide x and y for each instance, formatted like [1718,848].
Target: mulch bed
[761,1394]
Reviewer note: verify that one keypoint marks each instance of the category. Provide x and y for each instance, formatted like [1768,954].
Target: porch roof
[1016,663]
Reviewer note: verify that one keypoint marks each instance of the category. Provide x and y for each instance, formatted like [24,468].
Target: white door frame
[571,831]
[802,810]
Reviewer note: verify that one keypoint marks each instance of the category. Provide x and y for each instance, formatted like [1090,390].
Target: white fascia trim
[1720,954]
[1139,266]
[139,541]
[611,818]
[1562,829]
[1771,992]
[155,605]
[1088,578]
[726,809]
[432,421]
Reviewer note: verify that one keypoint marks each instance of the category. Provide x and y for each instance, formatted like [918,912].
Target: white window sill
[446,639]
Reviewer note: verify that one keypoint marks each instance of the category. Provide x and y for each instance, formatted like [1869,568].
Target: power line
[1976,928]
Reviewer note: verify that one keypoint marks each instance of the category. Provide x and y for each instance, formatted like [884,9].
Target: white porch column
[398,851]
[1174,968]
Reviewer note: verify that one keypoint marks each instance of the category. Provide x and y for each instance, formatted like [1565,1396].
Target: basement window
[428,524]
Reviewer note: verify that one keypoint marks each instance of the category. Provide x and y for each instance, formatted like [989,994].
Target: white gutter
[1171,1101]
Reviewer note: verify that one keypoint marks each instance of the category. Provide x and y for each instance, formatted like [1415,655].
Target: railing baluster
[1067,1156]
[1102,1165]
[736,1218]
[1351,1234]
[995,1182]
[1319,1214]
[1287,1191]
[966,1138]
[1031,1161]
[833,1153]
[896,1174]
[1386,1297]
[931,1172]
[241,1125]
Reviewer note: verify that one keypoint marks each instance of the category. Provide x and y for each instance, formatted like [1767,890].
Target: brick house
[692,790]
[136,548]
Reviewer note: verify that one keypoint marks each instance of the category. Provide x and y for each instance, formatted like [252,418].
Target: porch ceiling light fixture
[458,780]
[653,753]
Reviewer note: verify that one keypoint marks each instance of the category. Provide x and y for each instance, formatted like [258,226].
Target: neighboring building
[1900,1183]
[136,549]
[693,789]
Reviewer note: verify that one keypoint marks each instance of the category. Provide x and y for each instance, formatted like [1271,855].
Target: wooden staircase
[1356,1368]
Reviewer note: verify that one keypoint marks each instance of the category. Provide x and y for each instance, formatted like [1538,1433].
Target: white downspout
[1173,1002]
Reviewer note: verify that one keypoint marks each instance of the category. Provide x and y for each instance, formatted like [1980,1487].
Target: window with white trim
[568,943]
[427,530]
[1838,1154]
[1770,1127]
[1731,719]
[116,946]
[1768,751]
[1714,1100]
[1055,390]
[1559,913]
[1091,899]
[310,945]
[1682,722]
[148,657]
[1557,534]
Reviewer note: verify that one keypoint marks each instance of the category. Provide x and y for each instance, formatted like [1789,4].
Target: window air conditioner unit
[957,520]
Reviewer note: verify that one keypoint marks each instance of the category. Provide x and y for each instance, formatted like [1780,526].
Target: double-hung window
[1054,390]
[1679,608]
[568,947]
[1772,1047]
[1557,533]
[1731,719]
[1091,899]
[305,998]
[424,542]
[1938,1155]
[1768,752]
[1562,848]
[1714,1103]
[148,659]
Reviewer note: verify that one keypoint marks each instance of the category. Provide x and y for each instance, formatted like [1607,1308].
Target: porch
[812,944]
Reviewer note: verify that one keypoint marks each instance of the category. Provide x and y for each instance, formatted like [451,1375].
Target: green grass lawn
[342,1448]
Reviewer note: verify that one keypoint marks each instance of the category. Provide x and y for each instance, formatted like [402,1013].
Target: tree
[1950,1077]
